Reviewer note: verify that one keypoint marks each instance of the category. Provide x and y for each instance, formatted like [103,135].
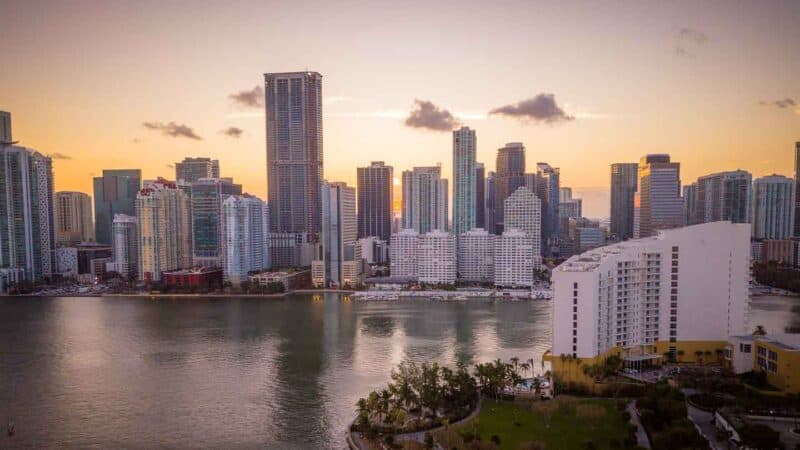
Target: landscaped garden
[563,423]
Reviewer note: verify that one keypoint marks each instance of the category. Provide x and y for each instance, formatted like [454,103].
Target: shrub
[759,436]
[495,439]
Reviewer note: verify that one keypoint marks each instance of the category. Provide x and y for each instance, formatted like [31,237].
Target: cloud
[253,98]
[233,132]
[136,141]
[687,40]
[540,109]
[173,129]
[785,103]
[57,155]
[429,116]
[170,166]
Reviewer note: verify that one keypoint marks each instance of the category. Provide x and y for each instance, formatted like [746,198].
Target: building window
[745,348]
[772,367]
[773,355]
[762,351]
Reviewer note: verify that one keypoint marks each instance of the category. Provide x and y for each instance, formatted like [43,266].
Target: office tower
[476,256]
[289,250]
[375,196]
[425,199]
[773,207]
[690,204]
[374,250]
[5,127]
[403,253]
[797,192]
[207,197]
[515,259]
[294,151]
[661,206]
[615,298]
[510,174]
[162,227]
[27,229]
[491,189]
[723,196]
[480,196]
[125,247]
[245,227]
[339,234]
[624,182]
[568,208]
[436,258]
[114,193]
[192,169]
[464,175]
[548,189]
[73,218]
[564,194]
[523,212]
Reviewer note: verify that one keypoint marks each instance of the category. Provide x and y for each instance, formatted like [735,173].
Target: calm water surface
[240,373]
[228,373]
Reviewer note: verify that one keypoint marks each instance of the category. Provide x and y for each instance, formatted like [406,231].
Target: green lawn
[572,423]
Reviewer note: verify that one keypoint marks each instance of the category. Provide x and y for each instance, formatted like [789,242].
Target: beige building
[73,215]
[163,228]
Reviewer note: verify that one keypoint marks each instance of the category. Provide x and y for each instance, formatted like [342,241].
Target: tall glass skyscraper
[510,174]
[208,194]
[294,151]
[192,169]
[797,189]
[480,196]
[548,189]
[27,229]
[723,196]
[491,186]
[773,207]
[375,195]
[464,192]
[425,202]
[661,205]
[624,180]
[114,193]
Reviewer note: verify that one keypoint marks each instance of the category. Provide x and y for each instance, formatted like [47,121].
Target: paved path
[703,421]
[641,435]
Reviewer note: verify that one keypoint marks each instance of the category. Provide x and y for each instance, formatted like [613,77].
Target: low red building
[200,277]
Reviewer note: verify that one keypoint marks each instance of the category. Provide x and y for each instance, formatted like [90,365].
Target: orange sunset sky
[714,83]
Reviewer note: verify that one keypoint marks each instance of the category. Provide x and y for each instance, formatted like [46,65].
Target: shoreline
[190,295]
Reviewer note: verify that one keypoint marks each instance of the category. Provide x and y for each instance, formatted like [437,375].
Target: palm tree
[515,362]
[698,356]
[680,354]
[525,366]
[760,331]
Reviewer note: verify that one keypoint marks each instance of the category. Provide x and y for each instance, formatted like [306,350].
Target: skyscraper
[207,197]
[245,227]
[510,174]
[162,228]
[5,127]
[480,196]
[192,169]
[661,205]
[515,259]
[27,229]
[114,193]
[797,190]
[464,192]
[403,253]
[73,218]
[476,256]
[773,207]
[339,234]
[723,196]
[294,151]
[125,248]
[375,194]
[548,189]
[624,181]
[689,203]
[523,211]
[425,199]
[491,187]
[436,258]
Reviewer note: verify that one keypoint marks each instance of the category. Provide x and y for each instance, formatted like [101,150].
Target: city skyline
[657,98]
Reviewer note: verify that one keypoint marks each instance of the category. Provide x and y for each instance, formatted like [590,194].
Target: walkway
[641,435]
